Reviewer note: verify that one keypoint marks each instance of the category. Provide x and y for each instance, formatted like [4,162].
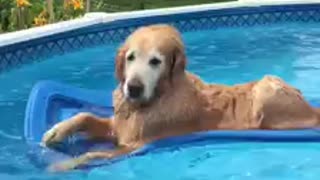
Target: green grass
[172,3]
[127,5]
[9,13]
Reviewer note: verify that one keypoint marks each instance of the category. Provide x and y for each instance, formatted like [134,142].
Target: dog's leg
[84,122]
[89,156]
[282,106]
[317,111]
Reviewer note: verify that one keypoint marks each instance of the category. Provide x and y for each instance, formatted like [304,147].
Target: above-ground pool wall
[100,28]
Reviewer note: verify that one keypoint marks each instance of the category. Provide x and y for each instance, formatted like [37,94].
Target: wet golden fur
[183,104]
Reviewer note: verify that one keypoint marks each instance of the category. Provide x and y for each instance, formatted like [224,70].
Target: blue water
[229,56]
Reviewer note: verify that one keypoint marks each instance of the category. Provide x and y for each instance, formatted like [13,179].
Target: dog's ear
[120,63]
[178,63]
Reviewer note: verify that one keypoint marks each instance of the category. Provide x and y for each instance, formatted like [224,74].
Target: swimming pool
[225,55]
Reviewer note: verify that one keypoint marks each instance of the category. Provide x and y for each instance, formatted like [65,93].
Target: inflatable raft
[52,102]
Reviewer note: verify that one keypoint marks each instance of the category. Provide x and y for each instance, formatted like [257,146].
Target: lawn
[22,14]
[127,5]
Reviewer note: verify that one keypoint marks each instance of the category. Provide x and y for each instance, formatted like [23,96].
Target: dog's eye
[154,61]
[131,57]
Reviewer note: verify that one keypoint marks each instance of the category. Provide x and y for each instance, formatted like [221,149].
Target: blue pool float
[51,102]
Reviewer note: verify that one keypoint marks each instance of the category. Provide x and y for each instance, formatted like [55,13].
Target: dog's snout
[135,88]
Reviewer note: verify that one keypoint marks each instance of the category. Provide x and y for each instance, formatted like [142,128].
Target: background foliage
[15,18]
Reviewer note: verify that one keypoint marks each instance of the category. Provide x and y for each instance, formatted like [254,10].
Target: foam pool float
[51,102]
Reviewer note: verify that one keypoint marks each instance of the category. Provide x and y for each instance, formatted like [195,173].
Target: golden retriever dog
[158,98]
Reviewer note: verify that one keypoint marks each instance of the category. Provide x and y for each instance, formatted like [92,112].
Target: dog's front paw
[56,134]
[70,164]
[61,167]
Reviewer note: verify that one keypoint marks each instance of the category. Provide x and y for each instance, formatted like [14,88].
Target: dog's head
[149,55]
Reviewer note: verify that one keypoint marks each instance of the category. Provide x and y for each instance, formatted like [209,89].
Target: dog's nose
[135,88]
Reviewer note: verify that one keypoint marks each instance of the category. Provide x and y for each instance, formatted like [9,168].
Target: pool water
[231,161]
[228,56]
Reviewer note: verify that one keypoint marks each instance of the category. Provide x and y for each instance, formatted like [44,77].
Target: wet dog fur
[158,98]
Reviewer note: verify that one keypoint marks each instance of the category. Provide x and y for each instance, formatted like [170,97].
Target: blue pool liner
[51,102]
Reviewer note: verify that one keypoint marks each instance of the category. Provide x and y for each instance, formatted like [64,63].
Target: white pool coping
[100,17]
